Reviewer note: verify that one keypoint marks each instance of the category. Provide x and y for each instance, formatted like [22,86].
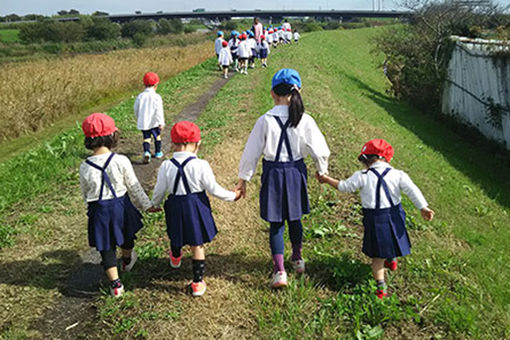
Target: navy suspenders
[181,175]
[283,138]
[104,177]
[381,182]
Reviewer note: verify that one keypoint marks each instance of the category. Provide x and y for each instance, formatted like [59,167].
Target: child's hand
[427,214]
[321,178]
[241,185]
[154,209]
[239,194]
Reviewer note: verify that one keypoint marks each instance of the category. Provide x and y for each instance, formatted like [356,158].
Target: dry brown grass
[37,93]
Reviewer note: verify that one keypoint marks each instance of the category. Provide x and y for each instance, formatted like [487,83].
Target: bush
[417,55]
[136,27]
[165,26]
[103,29]
[53,31]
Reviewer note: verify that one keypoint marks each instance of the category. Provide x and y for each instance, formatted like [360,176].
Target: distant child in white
[225,58]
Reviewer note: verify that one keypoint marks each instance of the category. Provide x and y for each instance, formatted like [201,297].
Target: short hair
[368,160]
[109,141]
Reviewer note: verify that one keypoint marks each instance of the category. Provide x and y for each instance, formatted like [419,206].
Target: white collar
[280,110]
[183,154]
[381,164]
[150,89]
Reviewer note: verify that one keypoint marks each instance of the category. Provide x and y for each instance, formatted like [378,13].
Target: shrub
[103,29]
[165,26]
[140,27]
[417,55]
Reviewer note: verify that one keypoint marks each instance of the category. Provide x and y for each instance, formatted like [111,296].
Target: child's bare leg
[225,72]
[112,273]
[198,262]
[378,268]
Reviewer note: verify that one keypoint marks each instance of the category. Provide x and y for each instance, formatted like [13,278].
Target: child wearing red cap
[244,52]
[105,180]
[225,58]
[264,50]
[285,135]
[380,187]
[296,36]
[150,118]
[186,178]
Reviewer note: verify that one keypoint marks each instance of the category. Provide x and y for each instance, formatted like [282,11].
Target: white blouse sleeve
[208,181]
[253,150]
[160,112]
[352,184]
[412,191]
[134,187]
[136,107]
[83,183]
[316,146]
[161,187]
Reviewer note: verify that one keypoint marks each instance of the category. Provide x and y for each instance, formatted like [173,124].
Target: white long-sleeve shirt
[253,43]
[225,57]
[296,36]
[305,139]
[217,45]
[286,25]
[397,181]
[121,174]
[198,173]
[233,44]
[269,38]
[244,50]
[149,110]
[265,46]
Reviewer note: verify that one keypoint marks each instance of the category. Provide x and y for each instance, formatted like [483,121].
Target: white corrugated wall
[478,85]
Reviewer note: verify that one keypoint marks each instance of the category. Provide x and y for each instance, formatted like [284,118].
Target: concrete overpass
[275,15]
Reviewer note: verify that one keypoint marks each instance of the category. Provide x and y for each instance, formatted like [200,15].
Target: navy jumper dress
[385,230]
[283,194]
[112,222]
[189,219]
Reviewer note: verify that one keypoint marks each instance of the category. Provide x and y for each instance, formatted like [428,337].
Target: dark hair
[368,160]
[109,141]
[296,107]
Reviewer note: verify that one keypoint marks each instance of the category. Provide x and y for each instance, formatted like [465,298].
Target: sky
[50,7]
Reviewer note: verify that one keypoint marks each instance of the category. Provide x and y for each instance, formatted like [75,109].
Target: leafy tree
[12,17]
[102,29]
[74,12]
[100,14]
[143,27]
[63,12]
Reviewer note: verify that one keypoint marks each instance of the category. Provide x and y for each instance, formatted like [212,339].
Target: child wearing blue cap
[218,47]
[285,135]
[252,42]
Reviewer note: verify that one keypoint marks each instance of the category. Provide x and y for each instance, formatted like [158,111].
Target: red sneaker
[381,294]
[198,288]
[391,265]
[175,262]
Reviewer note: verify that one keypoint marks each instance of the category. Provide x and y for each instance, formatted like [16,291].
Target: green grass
[9,35]
[454,285]
[55,160]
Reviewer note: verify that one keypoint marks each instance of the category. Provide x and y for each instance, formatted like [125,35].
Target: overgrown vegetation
[416,55]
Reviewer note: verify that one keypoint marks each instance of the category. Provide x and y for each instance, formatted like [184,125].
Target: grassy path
[454,285]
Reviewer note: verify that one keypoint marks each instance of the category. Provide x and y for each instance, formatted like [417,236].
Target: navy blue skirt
[385,232]
[254,53]
[112,222]
[189,220]
[283,194]
[263,53]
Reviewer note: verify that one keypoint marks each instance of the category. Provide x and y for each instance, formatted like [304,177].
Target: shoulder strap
[283,137]
[381,182]
[104,177]
[181,175]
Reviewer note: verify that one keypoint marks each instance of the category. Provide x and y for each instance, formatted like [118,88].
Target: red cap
[224,43]
[98,125]
[262,37]
[150,79]
[378,147]
[185,132]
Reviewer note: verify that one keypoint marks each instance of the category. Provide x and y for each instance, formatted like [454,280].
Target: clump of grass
[37,93]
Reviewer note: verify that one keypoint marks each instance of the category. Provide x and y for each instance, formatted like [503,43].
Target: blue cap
[220,33]
[235,33]
[286,76]
[251,33]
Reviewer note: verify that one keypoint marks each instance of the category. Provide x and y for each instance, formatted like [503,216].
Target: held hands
[154,209]
[427,214]
[241,187]
[321,178]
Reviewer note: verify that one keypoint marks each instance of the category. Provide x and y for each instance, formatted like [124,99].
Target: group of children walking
[243,48]
[284,136]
